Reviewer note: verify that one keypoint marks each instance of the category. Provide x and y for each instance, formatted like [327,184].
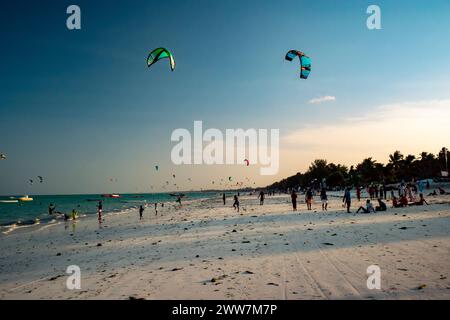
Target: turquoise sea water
[23,213]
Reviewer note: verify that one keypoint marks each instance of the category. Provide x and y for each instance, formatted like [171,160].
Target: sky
[79,107]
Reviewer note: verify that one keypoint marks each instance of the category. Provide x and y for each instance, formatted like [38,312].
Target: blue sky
[80,106]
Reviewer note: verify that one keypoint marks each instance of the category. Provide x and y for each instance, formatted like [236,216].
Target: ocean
[30,212]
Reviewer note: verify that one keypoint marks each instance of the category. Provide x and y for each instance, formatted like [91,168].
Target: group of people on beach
[52,211]
[407,197]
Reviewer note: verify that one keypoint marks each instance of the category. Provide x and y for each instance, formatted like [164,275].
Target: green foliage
[399,167]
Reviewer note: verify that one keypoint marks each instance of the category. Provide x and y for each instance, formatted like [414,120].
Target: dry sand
[207,251]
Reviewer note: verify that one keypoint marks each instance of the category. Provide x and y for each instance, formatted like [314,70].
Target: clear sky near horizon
[79,107]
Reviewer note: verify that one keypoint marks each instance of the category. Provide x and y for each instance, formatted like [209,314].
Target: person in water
[347,199]
[309,198]
[324,198]
[74,214]
[223,198]
[236,203]
[294,200]
[141,211]
[261,197]
[51,209]
[368,209]
[179,200]
[381,206]
[66,217]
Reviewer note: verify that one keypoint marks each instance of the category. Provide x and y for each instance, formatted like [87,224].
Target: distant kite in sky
[247,162]
[229,178]
[157,168]
[305,62]
[40,179]
[2,156]
[158,54]
[30,181]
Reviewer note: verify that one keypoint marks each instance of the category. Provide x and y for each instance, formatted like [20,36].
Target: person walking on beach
[99,211]
[324,198]
[141,211]
[261,197]
[236,203]
[294,200]
[309,198]
[347,200]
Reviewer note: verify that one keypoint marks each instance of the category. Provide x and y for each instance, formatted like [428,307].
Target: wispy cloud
[322,99]
[410,127]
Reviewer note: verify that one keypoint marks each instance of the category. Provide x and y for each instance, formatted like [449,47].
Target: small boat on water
[110,196]
[25,198]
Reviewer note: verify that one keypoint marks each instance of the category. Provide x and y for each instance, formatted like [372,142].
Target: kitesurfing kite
[2,156]
[305,62]
[247,162]
[158,54]
[30,181]
[229,178]
[157,168]
[40,179]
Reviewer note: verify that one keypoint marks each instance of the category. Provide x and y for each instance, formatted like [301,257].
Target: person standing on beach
[156,208]
[236,203]
[347,200]
[223,198]
[99,211]
[309,198]
[358,193]
[294,200]
[261,197]
[141,211]
[324,198]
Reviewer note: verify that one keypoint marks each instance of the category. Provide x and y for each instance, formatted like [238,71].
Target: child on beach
[368,209]
[236,203]
[381,206]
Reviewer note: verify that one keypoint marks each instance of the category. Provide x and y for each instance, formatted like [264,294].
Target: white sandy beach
[208,251]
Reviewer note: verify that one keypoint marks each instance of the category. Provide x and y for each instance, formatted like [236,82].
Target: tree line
[369,171]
